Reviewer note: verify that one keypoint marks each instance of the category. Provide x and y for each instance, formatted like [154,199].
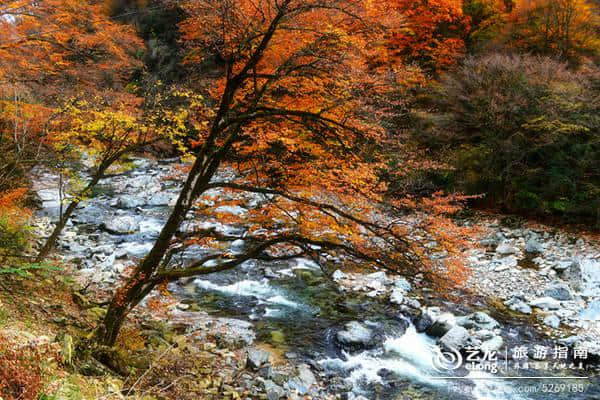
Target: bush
[524,130]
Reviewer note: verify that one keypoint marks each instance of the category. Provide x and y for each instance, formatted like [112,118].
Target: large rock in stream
[356,336]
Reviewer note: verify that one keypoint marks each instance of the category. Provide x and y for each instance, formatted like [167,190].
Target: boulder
[397,296]
[160,199]
[592,312]
[355,334]
[558,290]
[273,391]
[128,201]
[455,339]
[545,303]
[477,320]
[505,249]
[552,321]
[338,275]
[441,325]
[122,225]
[493,344]
[304,381]
[402,284]
[257,358]
[518,304]
[423,322]
[533,246]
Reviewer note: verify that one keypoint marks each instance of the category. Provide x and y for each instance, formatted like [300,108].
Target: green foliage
[25,270]
[523,130]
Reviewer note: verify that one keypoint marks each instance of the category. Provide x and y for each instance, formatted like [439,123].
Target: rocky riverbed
[355,334]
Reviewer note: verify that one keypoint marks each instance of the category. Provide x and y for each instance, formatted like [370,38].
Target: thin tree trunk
[51,241]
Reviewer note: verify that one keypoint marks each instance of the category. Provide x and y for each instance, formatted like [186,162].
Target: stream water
[291,304]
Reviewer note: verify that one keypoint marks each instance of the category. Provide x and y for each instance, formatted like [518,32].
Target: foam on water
[410,356]
[264,292]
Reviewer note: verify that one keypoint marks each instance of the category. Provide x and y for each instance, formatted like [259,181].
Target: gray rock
[129,201]
[517,304]
[273,391]
[558,290]
[378,279]
[355,335]
[257,358]
[440,327]
[160,199]
[338,275]
[423,323]
[493,344]
[455,339]
[303,382]
[533,246]
[397,296]
[545,303]
[478,320]
[506,249]
[402,284]
[122,225]
[552,321]
[592,312]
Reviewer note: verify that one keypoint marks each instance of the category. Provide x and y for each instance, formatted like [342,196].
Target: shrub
[20,372]
[524,130]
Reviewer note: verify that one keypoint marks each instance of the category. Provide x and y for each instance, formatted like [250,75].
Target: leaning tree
[294,114]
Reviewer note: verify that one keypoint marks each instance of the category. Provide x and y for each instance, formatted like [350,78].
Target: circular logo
[445,360]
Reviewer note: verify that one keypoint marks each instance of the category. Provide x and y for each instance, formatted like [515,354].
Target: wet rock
[355,335]
[533,246]
[423,322]
[552,321]
[477,320]
[441,325]
[506,249]
[257,358]
[518,304]
[455,339]
[122,225]
[545,303]
[558,290]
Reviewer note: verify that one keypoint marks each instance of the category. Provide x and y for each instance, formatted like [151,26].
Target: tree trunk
[51,241]
[142,282]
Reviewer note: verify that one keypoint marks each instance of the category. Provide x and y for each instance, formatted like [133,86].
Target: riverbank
[286,329]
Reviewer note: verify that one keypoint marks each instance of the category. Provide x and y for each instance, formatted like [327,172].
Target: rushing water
[298,309]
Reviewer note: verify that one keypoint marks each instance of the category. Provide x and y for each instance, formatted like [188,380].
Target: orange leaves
[433,33]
